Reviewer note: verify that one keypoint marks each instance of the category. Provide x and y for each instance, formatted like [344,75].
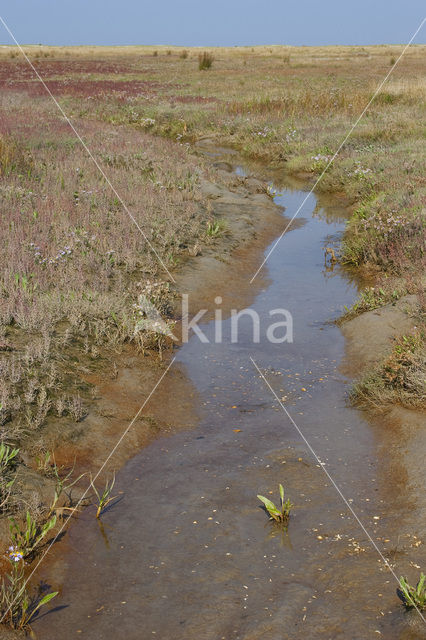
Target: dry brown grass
[332,52]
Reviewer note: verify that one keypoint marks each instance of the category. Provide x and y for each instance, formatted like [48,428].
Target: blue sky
[212,22]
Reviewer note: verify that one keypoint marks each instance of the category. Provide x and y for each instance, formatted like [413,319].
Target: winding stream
[187,554]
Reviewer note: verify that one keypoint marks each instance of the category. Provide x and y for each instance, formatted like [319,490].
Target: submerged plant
[17,607]
[414,596]
[105,498]
[281,514]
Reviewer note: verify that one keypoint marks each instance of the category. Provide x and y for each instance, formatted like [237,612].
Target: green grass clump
[369,299]
[216,228]
[26,541]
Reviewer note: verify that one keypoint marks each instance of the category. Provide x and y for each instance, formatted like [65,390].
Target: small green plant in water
[279,514]
[26,541]
[105,498]
[414,596]
[17,607]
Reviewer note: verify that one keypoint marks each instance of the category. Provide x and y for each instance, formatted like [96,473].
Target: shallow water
[188,553]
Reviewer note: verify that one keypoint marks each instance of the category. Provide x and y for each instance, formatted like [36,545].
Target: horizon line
[214,46]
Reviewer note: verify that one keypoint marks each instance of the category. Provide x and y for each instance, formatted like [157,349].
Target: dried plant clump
[205,61]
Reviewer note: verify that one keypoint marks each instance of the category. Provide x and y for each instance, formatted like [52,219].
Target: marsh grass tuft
[278,514]
[205,61]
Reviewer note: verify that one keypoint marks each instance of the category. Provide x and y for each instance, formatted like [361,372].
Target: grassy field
[280,104]
[287,106]
[73,263]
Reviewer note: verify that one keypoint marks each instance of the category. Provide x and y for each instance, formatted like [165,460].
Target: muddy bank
[400,432]
[369,335]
